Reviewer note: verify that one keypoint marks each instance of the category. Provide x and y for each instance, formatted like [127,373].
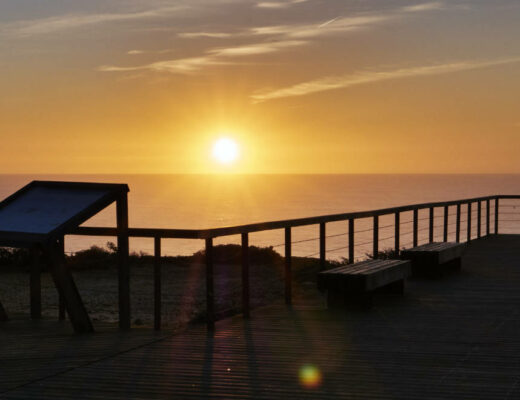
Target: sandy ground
[183,292]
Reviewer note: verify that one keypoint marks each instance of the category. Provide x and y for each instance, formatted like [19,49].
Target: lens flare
[310,376]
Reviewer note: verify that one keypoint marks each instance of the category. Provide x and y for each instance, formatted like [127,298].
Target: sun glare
[225,151]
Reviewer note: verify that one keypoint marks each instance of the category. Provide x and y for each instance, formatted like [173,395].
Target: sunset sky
[303,86]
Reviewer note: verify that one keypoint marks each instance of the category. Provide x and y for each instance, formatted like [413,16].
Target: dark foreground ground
[452,338]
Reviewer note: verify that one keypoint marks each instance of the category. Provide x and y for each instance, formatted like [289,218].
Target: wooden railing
[244,230]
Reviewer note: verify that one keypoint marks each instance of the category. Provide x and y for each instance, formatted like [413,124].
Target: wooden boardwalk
[457,337]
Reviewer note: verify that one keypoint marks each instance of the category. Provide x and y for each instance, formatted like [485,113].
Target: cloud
[432,6]
[72,21]
[210,58]
[218,35]
[278,4]
[178,66]
[362,78]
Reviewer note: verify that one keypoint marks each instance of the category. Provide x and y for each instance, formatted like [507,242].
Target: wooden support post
[351,241]
[322,246]
[157,284]
[61,301]
[3,314]
[446,214]
[245,275]
[288,270]
[488,208]
[36,284]
[432,221]
[375,239]
[457,231]
[210,295]
[415,227]
[123,266]
[496,215]
[397,233]
[68,291]
[479,219]
[469,222]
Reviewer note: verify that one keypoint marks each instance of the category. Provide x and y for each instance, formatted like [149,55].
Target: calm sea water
[207,201]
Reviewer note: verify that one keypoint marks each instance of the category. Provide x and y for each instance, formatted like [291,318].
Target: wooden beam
[3,314]
[123,265]
[432,222]
[61,301]
[446,214]
[322,246]
[68,291]
[157,284]
[375,238]
[488,208]
[496,215]
[457,230]
[210,289]
[351,232]
[245,275]
[35,283]
[415,227]
[479,219]
[397,233]
[469,222]
[288,267]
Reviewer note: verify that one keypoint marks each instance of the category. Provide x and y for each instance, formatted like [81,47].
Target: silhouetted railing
[466,211]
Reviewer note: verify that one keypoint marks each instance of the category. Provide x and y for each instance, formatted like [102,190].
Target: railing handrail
[272,225]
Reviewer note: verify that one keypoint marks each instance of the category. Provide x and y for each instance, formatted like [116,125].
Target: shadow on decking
[455,337]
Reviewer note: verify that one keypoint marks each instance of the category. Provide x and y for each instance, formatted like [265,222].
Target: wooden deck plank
[457,337]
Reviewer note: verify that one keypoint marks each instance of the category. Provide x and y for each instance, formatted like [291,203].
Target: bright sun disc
[225,150]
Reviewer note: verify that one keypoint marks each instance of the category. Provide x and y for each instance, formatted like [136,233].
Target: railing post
[488,209]
[322,246]
[397,233]
[245,275]
[288,272]
[457,232]
[351,241]
[61,300]
[415,227]
[375,238]
[157,286]
[496,216]
[36,284]
[479,219]
[210,294]
[446,214]
[469,222]
[123,267]
[431,224]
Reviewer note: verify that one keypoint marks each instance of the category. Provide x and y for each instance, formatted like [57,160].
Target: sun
[225,150]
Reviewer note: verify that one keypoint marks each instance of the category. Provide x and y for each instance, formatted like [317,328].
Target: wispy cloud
[178,66]
[278,4]
[216,56]
[71,21]
[367,77]
[218,35]
[432,6]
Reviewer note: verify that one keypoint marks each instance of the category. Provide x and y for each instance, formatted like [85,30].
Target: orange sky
[305,86]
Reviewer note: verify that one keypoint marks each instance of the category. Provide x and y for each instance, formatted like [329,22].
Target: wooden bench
[355,284]
[432,259]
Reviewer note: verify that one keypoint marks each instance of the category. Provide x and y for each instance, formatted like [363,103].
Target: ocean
[209,201]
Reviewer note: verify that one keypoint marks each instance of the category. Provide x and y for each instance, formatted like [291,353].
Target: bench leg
[3,314]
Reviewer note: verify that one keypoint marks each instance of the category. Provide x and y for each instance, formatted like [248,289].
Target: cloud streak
[278,4]
[216,56]
[368,77]
[72,21]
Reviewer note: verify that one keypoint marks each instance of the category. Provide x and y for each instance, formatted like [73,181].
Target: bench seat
[432,259]
[355,283]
